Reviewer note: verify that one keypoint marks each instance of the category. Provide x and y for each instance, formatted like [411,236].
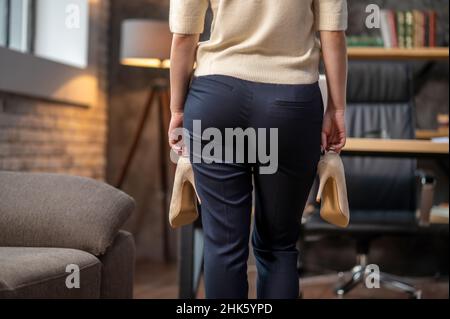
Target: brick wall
[43,136]
[46,136]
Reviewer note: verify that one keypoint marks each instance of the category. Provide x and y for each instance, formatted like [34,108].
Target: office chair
[381,190]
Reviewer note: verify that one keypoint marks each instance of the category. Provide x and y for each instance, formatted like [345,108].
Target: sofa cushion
[51,210]
[41,273]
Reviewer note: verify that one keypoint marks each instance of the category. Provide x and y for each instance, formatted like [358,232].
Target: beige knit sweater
[271,41]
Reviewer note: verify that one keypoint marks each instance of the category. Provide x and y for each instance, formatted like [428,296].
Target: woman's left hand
[333,130]
[175,127]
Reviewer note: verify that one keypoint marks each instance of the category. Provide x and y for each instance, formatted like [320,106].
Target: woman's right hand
[334,52]
[182,58]
[175,127]
[333,130]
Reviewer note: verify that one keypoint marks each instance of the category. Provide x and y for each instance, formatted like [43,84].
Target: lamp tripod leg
[132,151]
[164,118]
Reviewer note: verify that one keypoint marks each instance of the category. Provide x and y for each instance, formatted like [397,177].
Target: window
[3,22]
[58,41]
[54,30]
[19,30]
[61,31]
[15,24]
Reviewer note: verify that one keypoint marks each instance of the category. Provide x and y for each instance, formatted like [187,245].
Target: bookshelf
[372,53]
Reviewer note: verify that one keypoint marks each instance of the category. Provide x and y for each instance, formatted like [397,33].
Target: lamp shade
[145,43]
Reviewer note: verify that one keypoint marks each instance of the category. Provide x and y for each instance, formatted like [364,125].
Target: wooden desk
[395,148]
[429,134]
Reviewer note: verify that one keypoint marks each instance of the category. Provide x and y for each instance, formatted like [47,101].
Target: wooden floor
[159,281]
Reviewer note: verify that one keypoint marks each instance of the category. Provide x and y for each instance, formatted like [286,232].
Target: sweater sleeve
[330,15]
[187,16]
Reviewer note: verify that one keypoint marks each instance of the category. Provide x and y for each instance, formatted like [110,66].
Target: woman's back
[256,79]
[270,41]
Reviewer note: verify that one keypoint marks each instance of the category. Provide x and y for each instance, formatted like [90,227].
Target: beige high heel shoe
[333,190]
[183,206]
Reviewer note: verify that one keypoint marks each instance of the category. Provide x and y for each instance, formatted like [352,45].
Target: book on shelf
[386,33]
[432,19]
[409,30]
[364,41]
[402,29]
[392,28]
[419,28]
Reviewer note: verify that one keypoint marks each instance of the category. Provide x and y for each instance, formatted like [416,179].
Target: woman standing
[258,70]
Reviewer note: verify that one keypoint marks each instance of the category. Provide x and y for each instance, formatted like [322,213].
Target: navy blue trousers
[226,187]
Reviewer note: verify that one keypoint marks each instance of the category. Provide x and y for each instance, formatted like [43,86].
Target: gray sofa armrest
[51,210]
[118,268]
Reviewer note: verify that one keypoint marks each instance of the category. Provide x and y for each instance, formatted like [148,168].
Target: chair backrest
[380,105]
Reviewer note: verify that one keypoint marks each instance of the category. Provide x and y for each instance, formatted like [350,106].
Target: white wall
[62,31]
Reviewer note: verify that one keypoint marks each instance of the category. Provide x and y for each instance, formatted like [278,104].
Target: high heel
[183,206]
[333,190]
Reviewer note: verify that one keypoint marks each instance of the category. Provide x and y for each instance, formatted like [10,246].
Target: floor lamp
[146,43]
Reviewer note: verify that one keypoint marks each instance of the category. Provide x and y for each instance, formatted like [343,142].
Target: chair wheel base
[359,275]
